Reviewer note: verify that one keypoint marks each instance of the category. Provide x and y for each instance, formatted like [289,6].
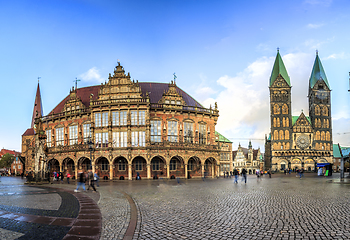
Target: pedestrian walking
[61,177]
[269,172]
[301,173]
[81,181]
[244,175]
[68,177]
[96,179]
[235,172]
[91,180]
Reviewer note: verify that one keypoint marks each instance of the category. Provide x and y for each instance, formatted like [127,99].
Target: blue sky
[221,51]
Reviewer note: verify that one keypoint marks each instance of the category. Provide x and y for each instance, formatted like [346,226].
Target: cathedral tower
[320,107]
[280,107]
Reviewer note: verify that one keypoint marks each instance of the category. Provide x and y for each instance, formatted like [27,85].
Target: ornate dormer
[120,86]
[172,98]
[74,102]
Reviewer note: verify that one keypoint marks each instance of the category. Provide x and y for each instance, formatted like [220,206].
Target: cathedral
[124,129]
[302,141]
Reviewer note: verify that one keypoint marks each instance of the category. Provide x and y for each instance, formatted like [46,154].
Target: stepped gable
[83,94]
[156,91]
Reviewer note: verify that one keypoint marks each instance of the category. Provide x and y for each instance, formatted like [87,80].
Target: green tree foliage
[6,160]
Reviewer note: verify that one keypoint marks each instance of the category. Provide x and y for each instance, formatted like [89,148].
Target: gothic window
[188,132]
[73,135]
[59,136]
[275,135]
[283,122]
[324,123]
[287,145]
[323,137]
[317,110]
[275,146]
[172,131]
[287,122]
[201,134]
[328,136]
[274,122]
[276,109]
[279,146]
[156,134]
[285,109]
[328,146]
[120,139]
[325,111]
[318,135]
[278,122]
[317,146]
[48,138]
[281,135]
[286,134]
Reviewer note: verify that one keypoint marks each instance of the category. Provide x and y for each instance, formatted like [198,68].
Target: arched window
[281,135]
[317,110]
[287,145]
[318,135]
[278,122]
[283,122]
[328,136]
[286,135]
[285,109]
[274,122]
[275,135]
[275,146]
[323,136]
[287,122]
[325,111]
[276,109]
[317,146]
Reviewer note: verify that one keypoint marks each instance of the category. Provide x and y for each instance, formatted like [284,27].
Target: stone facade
[125,128]
[299,141]
[248,158]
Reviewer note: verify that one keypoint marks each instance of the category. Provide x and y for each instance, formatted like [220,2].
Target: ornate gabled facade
[248,158]
[124,128]
[225,146]
[299,141]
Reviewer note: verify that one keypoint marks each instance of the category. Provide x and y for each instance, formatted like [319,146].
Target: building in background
[299,141]
[225,146]
[17,164]
[248,158]
[123,129]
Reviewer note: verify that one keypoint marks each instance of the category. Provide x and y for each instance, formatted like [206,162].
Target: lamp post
[91,149]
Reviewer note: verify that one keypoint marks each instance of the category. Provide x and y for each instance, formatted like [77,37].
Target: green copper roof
[221,138]
[279,68]
[317,73]
[295,118]
[336,151]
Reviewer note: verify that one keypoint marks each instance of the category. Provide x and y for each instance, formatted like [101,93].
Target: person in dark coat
[235,172]
[81,181]
[244,175]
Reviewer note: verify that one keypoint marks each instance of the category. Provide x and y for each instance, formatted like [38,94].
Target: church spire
[279,68]
[318,73]
[38,110]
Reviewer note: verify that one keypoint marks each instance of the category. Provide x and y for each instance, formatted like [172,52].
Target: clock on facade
[303,141]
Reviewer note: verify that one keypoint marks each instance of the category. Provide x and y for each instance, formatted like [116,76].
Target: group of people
[87,177]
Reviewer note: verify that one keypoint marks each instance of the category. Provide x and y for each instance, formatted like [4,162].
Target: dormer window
[172,102]
[77,107]
[178,102]
[166,101]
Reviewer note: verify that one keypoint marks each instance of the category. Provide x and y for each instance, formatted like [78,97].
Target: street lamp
[91,149]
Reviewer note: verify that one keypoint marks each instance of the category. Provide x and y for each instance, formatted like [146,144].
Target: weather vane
[38,79]
[76,82]
[175,77]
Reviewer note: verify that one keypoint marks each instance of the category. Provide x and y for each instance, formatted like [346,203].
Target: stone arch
[69,166]
[283,164]
[158,167]
[317,110]
[139,167]
[120,168]
[275,135]
[84,164]
[53,165]
[276,109]
[209,167]
[296,164]
[194,167]
[176,167]
[102,167]
[325,111]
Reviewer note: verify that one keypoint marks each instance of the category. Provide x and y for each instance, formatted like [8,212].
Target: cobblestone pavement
[281,207]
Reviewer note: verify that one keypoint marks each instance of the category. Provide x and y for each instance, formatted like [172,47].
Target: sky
[221,51]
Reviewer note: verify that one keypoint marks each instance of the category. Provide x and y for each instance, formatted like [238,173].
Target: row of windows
[119,118]
[323,136]
[278,123]
[321,110]
[278,146]
[277,109]
[281,135]
[319,124]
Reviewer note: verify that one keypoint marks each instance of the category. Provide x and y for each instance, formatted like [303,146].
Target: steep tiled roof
[221,138]
[4,151]
[155,91]
[279,68]
[29,132]
[318,73]
[336,151]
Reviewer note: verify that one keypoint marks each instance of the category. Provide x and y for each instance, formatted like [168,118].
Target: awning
[322,164]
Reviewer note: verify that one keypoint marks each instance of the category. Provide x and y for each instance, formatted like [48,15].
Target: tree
[6,160]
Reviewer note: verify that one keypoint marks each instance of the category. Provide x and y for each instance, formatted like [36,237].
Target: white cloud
[92,75]
[314,26]
[341,131]
[244,104]
[336,56]
[316,44]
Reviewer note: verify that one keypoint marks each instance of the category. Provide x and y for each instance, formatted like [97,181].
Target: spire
[318,73]
[250,144]
[38,110]
[279,68]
